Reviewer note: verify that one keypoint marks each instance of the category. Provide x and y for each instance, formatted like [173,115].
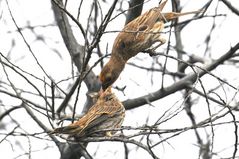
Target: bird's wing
[99,114]
[146,20]
[70,129]
[173,15]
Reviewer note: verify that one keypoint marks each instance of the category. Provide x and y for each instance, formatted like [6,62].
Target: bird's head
[110,73]
[105,95]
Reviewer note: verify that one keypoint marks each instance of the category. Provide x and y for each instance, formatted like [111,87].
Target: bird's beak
[105,85]
[101,92]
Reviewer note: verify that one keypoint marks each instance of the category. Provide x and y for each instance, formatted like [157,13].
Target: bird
[102,118]
[137,36]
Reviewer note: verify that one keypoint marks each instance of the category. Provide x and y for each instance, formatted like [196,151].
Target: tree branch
[181,84]
[231,7]
[120,139]
[135,9]
[76,51]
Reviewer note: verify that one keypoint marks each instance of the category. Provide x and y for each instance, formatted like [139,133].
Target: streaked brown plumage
[137,36]
[107,113]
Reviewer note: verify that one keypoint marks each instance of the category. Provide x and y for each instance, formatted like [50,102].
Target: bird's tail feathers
[173,15]
[161,5]
[66,130]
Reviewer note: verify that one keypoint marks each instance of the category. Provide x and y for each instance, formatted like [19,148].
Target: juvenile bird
[138,35]
[107,113]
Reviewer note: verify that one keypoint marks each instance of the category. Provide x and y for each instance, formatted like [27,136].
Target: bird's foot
[150,52]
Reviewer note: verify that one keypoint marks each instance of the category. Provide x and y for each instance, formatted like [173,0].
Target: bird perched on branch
[107,113]
[138,35]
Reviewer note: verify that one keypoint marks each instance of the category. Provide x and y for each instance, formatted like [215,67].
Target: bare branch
[181,84]
[231,7]
[135,9]
[25,41]
[76,51]
[8,112]
[120,139]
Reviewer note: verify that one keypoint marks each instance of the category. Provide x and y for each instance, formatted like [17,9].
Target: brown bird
[107,113]
[137,36]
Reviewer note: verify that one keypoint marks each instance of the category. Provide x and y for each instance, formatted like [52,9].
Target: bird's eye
[122,45]
[108,97]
